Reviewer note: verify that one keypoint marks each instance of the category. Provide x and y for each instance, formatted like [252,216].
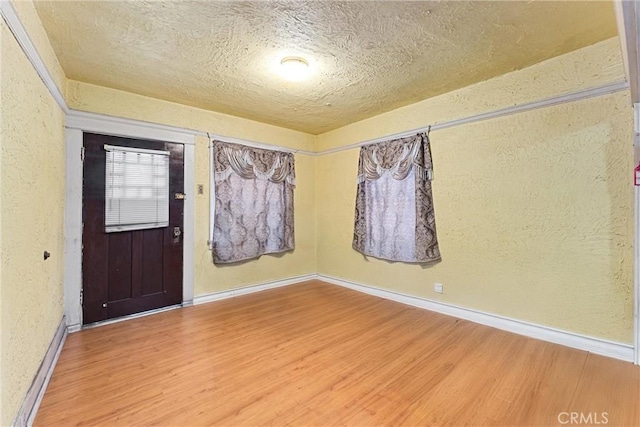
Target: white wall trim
[34,396]
[128,317]
[130,128]
[636,276]
[109,124]
[593,92]
[212,196]
[189,224]
[20,33]
[594,345]
[636,239]
[628,20]
[79,119]
[215,137]
[73,228]
[244,290]
[102,123]
[599,346]
[603,347]
[73,231]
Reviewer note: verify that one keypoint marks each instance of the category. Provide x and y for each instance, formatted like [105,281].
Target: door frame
[636,239]
[78,122]
[628,22]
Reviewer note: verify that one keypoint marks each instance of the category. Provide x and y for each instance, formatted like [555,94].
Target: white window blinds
[136,189]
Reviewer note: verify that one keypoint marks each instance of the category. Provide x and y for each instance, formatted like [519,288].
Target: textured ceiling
[366,57]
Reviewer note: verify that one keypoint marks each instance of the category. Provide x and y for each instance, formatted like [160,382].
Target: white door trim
[79,122]
[636,279]
[129,128]
[628,20]
[73,229]
[636,240]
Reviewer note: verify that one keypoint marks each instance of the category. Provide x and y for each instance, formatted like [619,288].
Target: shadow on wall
[423,266]
[246,261]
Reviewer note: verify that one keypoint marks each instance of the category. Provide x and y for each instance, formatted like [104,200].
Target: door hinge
[82,154]
[81,296]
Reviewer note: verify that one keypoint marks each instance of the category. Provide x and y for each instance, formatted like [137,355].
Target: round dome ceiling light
[294,68]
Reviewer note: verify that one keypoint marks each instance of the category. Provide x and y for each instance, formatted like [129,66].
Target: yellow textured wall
[211,278]
[32,194]
[30,20]
[580,69]
[534,210]
[208,277]
[98,99]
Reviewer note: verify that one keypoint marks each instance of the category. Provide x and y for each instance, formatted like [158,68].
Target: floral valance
[253,210]
[394,217]
[396,157]
[250,162]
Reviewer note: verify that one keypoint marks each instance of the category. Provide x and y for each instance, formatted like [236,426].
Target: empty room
[314,213]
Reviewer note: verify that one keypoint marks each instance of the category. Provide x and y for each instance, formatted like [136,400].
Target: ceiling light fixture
[294,68]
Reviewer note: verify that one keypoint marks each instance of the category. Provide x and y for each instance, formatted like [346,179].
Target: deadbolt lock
[176,232]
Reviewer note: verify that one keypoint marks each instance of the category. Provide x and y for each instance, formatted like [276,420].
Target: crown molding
[20,33]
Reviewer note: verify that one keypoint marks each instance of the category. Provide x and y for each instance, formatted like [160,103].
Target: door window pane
[136,189]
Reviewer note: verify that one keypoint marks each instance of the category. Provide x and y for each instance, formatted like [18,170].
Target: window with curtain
[394,218]
[253,210]
[136,189]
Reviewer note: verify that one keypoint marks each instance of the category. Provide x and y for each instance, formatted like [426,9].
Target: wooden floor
[317,354]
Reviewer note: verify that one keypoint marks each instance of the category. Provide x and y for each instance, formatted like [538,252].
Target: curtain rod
[253,144]
[606,89]
[548,102]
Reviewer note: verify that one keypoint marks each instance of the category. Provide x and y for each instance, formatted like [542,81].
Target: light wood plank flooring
[316,354]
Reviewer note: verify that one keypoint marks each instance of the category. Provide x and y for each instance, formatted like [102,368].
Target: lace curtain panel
[394,218]
[253,202]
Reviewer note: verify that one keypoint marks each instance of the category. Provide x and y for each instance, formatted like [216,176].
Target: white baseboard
[202,299]
[125,318]
[594,345]
[78,327]
[599,346]
[32,400]
[74,328]
[217,296]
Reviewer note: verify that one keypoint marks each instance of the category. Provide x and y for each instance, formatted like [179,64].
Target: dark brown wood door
[129,272]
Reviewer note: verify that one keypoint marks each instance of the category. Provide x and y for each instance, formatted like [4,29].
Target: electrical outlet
[438,287]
